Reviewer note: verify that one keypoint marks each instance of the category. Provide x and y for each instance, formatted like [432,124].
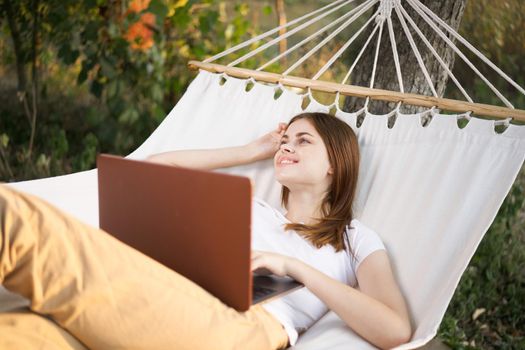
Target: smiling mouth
[287,162]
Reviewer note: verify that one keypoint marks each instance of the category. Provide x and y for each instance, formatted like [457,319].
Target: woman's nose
[287,149]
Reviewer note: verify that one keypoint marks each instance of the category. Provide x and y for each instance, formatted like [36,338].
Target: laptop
[195,222]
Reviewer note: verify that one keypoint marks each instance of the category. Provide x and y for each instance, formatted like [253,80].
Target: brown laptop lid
[194,222]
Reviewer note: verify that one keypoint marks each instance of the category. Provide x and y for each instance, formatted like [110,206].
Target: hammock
[431,192]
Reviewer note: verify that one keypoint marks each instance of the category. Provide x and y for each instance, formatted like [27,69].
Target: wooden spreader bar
[359,91]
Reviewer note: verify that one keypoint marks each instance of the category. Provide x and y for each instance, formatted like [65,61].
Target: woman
[316,160]
[110,296]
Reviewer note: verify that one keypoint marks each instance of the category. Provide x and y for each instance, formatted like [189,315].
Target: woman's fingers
[281,127]
[280,132]
[263,262]
[262,271]
[256,261]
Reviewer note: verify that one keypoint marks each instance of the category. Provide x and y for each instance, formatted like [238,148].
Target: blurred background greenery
[79,77]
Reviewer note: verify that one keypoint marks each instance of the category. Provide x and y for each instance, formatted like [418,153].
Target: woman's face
[302,160]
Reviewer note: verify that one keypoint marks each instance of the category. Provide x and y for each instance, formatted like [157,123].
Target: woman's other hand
[265,146]
[265,263]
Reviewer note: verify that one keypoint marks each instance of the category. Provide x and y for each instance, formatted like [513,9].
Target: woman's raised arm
[207,159]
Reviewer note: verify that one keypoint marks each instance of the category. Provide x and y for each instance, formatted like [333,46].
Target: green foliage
[497,29]
[131,59]
[88,154]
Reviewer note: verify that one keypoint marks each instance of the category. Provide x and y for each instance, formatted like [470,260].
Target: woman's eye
[300,141]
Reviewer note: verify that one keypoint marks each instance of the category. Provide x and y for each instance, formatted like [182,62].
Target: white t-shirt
[299,310]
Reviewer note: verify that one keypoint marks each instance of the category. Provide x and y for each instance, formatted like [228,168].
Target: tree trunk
[281,17]
[17,45]
[414,81]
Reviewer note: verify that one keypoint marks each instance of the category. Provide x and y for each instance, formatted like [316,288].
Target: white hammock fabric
[430,192]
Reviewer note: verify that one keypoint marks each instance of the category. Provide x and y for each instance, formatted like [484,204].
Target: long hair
[336,206]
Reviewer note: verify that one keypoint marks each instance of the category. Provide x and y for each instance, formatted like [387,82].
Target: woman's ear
[330,171]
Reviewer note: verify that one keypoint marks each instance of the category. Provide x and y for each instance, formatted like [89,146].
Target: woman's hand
[265,146]
[265,263]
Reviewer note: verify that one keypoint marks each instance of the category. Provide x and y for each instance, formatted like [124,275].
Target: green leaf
[59,144]
[131,17]
[90,34]
[208,21]
[157,93]
[87,158]
[107,68]
[113,88]
[43,162]
[159,9]
[228,33]
[130,116]
[199,51]
[4,140]
[113,30]
[267,10]
[96,88]
[242,9]
[120,47]
[89,4]
[158,113]
[68,55]
[94,116]
[181,20]
[82,76]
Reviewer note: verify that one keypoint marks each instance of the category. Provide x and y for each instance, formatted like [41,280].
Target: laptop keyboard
[260,292]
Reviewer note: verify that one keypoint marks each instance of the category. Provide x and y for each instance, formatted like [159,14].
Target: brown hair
[336,207]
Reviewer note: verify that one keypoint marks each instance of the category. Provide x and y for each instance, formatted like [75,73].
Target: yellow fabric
[110,296]
[23,329]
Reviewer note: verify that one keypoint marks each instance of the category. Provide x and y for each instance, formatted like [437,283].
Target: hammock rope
[402,15]
[395,54]
[273,31]
[470,47]
[342,50]
[291,32]
[308,39]
[347,76]
[383,14]
[378,45]
[416,52]
[360,10]
[460,54]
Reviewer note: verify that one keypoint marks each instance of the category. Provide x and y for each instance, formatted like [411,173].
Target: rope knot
[385,9]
